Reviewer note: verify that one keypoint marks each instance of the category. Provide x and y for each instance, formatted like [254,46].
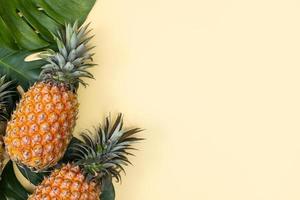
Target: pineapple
[96,159]
[42,124]
[6,91]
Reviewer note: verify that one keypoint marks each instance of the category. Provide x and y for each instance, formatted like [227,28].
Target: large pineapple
[97,158]
[6,92]
[42,124]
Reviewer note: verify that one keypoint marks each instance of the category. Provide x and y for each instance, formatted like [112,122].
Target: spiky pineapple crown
[69,65]
[106,153]
[6,92]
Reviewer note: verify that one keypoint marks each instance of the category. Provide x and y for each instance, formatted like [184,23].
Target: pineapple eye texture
[46,115]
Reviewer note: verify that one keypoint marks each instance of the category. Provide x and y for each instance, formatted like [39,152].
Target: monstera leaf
[29,23]
[13,64]
[10,188]
[26,27]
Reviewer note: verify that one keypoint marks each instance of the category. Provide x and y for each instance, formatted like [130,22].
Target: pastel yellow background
[215,83]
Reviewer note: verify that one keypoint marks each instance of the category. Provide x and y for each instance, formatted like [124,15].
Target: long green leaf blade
[12,63]
[108,190]
[10,187]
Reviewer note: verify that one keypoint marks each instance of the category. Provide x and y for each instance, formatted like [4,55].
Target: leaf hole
[40,8]
[21,15]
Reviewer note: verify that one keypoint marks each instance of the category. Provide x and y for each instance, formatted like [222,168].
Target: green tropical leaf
[10,187]
[29,23]
[26,27]
[108,190]
[32,177]
[12,63]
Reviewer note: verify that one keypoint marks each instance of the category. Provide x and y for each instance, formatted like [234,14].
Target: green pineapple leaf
[68,157]
[2,197]
[108,190]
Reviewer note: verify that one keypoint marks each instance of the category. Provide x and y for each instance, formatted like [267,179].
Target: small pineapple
[97,158]
[42,124]
[6,91]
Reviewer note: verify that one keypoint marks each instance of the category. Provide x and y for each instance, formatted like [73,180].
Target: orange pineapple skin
[41,126]
[67,183]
